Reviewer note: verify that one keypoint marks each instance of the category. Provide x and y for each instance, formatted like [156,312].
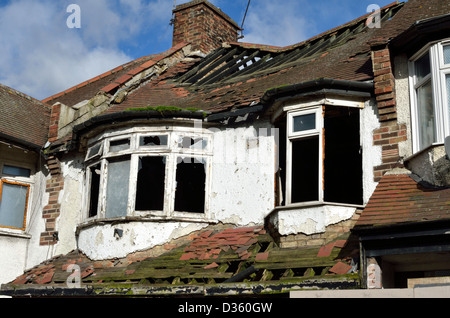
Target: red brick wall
[51,211]
[390,133]
[203,27]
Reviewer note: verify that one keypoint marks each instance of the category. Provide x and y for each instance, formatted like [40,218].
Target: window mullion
[437,91]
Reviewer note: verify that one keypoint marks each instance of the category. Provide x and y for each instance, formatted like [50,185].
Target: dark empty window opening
[150,183]
[151,141]
[94,190]
[343,156]
[190,185]
[305,170]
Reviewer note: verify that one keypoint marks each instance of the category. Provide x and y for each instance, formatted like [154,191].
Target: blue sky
[41,56]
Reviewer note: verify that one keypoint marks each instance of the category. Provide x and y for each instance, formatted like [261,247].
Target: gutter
[320,87]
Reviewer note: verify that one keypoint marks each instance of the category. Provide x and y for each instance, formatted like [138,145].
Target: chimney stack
[203,25]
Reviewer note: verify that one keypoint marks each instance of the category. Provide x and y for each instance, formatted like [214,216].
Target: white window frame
[292,136]
[171,151]
[439,70]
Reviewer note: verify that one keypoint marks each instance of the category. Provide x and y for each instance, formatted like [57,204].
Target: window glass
[119,145]
[117,187]
[304,122]
[447,54]
[150,183]
[13,204]
[151,141]
[16,171]
[192,143]
[94,189]
[190,185]
[305,170]
[94,151]
[427,131]
[422,67]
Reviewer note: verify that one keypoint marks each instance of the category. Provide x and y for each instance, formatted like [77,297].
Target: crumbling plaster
[402,100]
[244,163]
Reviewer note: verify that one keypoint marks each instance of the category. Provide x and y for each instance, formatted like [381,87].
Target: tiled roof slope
[414,10]
[217,260]
[399,199]
[23,119]
[108,81]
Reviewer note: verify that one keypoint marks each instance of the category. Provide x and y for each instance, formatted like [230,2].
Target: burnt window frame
[18,180]
[171,152]
[319,108]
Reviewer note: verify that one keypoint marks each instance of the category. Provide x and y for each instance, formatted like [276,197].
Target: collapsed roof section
[216,261]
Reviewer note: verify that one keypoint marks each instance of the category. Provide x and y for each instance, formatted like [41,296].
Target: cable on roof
[243,20]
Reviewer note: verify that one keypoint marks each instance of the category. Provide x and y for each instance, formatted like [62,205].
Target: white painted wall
[242,190]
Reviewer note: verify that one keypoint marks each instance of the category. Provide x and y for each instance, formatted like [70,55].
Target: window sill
[424,150]
[311,204]
[14,233]
[147,218]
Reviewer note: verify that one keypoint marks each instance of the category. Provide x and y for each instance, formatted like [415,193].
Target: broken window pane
[150,183]
[305,170]
[190,185]
[304,122]
[150,141]
[117,187]
[192,143]
[94,189]
[13,204]
[16,171]
[119,145]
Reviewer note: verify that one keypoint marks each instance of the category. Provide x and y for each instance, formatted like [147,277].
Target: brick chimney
[203,25]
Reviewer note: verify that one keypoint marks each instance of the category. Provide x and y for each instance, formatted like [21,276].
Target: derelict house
[222,167]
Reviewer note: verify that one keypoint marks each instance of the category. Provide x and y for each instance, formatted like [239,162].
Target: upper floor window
[430,95]
[14,193]
[323,155]
[149,172]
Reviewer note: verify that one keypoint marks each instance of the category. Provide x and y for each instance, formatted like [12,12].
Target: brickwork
[54,121]
[390,133]
[331,233]
[51,211]
[202,25]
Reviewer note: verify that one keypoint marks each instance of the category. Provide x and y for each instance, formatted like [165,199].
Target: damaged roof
[400,199]
[238,74]
[23,119]
[215,261]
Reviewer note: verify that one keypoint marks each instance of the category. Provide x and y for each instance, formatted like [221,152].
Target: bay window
[430,95]
[148,172]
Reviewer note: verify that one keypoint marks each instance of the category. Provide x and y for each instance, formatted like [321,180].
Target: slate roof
[214,261]
[23,119]
[399,199]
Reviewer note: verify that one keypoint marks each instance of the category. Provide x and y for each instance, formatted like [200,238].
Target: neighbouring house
[222,167]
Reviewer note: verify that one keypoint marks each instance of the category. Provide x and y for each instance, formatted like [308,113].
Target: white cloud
[40,55]
[277,23]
